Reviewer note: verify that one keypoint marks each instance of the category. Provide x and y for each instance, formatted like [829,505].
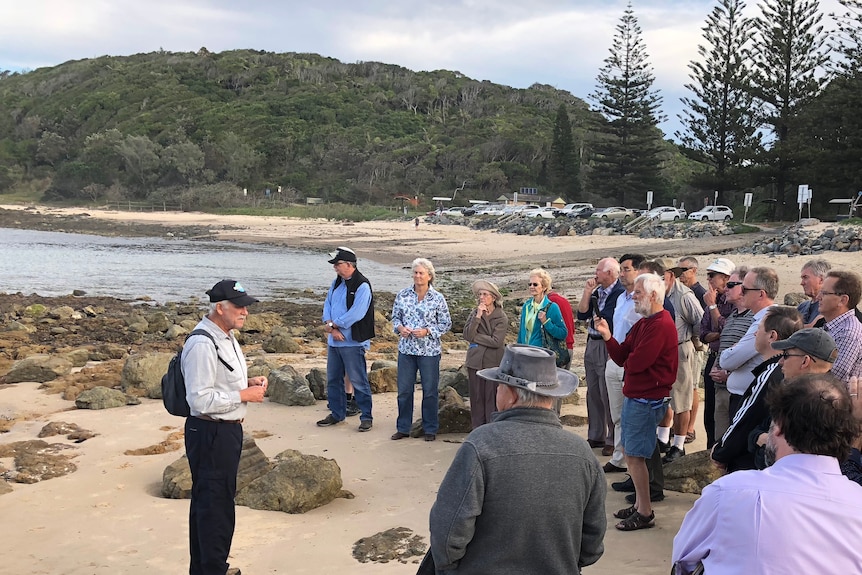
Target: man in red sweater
[650,359]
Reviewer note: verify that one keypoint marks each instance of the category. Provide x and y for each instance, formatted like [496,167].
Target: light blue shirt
[432,313]
[211,389]
[335,310]
[798,516]
[742,358]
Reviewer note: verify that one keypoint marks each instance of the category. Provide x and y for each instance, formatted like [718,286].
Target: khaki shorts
[682,392]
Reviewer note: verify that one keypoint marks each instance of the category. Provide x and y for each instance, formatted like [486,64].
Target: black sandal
[637,521]
[626,513]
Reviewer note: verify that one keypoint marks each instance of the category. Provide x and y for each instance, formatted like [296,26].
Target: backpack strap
[212,339]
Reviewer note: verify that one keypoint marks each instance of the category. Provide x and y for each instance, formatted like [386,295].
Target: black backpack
[174,384]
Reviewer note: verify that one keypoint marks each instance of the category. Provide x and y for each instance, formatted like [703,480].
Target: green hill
[203,125]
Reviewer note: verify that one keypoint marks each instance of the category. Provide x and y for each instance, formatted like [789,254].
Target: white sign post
[747,203]
[715,201]
[649,200]
[802,195]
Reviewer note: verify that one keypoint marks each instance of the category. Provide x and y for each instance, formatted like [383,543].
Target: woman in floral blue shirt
[539,311]
[420,316]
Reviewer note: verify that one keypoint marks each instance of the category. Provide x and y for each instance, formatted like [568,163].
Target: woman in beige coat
[486,331]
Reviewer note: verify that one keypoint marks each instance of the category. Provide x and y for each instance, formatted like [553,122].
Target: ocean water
[55,263]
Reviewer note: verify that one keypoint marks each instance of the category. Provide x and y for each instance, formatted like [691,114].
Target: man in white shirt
[759,290]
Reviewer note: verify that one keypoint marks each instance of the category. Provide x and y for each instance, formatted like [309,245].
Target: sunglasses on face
[531,284]
[731,285]
[785,354]
[748,289]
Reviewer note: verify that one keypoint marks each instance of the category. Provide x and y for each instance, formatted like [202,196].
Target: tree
[627,162]
[563,164]
[720,120]
[788,74]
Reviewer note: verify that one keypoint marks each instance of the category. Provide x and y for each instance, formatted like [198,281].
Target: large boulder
[288,388]
[691,473]
[383,379]
[396,544]
[453,414]
[158,322]
[281,341]
[316,379]
[142,374]
[39,368]
[262,322]
[456,379]
[177,477]
[78,357]
[103,398]
[296,484]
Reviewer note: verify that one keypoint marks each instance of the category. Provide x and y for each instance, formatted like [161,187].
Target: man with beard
[650,359]
[784,518]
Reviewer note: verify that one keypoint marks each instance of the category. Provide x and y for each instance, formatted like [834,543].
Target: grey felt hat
[489,287]
[532,368]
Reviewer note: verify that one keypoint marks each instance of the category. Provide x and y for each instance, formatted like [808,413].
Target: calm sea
[55,263]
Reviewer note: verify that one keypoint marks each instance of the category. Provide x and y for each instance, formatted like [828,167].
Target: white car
[491,210]
[569,208]
[712,213]
[543,212]
[452,212]
[666,214]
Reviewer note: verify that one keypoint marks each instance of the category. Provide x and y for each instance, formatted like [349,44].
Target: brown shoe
[398,435]
[608,450]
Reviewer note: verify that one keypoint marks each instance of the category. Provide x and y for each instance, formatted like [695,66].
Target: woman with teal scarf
[539,311]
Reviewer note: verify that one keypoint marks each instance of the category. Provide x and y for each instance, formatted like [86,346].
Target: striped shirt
[735,326]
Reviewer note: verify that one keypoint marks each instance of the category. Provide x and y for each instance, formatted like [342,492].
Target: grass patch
[744,229]
[336,211]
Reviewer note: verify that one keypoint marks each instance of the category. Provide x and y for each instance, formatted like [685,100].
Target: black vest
[364,328]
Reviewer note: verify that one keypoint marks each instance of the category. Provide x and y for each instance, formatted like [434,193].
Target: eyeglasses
[711,274]
[838,293]
[748,289]
[785,355]
[531,284]
[731,285]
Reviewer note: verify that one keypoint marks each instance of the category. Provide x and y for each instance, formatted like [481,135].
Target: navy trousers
[213,450]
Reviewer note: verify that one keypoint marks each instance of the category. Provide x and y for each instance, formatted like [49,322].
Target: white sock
[663,434]
[679,441]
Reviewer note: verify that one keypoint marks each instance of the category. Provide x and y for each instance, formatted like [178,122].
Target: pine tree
[627,161]
[720,120]
[563,164]
[788,59]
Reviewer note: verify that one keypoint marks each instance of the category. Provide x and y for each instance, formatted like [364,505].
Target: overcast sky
[516,43]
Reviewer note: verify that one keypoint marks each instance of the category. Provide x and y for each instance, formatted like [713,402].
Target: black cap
[232,291]
[342,254]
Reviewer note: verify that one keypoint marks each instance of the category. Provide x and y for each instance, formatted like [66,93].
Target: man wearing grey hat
[217,390]
[348,319]
[523,495]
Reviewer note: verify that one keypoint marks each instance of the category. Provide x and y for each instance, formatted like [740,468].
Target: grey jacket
[522,496]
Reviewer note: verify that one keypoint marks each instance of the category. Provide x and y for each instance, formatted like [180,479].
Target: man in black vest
[348,318]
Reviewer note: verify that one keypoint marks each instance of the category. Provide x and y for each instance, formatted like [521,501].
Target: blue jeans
[428,367]
[349,360]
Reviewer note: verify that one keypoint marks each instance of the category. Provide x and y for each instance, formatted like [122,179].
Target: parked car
[712,213]
[614,213]
[666,214]
[546,212]
[569,208]
[583,213]
[457,212]
[491,210]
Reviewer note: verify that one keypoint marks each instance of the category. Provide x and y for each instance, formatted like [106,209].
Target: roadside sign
[649,200]
[747,203]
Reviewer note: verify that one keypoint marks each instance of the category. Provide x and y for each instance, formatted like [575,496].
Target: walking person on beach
[217,390]
[420,316]
[348,318]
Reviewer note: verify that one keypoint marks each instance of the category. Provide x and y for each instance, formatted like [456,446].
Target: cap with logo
[722,266]
[342,254]
[813,341]
[232,291]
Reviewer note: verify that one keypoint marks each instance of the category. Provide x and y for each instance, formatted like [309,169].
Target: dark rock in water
[78,293]
[37,460]
[297,483]
[396,544]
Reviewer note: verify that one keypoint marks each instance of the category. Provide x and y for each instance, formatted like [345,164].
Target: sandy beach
[108,516]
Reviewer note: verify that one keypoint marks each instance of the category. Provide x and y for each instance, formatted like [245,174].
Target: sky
[515,43]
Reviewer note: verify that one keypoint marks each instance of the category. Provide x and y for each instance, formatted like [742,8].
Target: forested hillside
[202,125]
